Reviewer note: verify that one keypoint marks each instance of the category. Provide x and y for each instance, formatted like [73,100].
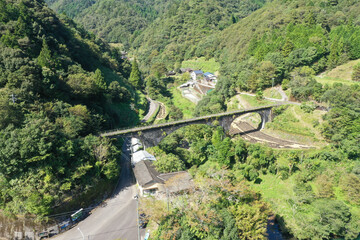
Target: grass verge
[272,93]
[201,63]
[186,106]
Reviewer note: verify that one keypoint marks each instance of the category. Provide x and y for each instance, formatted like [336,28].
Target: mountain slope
[58,86]
[116,21]
[173,36]
[280,37]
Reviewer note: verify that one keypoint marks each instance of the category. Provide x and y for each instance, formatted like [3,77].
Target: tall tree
[100,80]
[44,58]
[135,75]
[356,73]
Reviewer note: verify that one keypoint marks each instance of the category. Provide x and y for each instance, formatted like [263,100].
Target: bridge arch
[152,135]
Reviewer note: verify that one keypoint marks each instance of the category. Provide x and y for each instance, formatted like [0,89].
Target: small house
[184,70]
[170,73]
[146,178]
[210,77]
[197,74]
[151,182]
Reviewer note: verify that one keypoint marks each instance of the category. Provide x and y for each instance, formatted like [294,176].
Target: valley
[179,119]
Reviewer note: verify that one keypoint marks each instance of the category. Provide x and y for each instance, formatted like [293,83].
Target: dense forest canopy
[59,85]
[116,21]
[285,41]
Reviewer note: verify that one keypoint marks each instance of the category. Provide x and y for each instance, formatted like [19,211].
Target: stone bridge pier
[152,135]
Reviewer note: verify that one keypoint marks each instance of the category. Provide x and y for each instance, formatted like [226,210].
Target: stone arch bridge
[152,135]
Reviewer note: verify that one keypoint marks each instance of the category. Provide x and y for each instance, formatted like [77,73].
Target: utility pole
[137,212]
[167,195]
[13,98]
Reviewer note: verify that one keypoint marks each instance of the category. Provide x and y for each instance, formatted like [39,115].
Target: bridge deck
[138,129]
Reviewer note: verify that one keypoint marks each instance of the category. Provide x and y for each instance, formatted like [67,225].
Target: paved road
[117,218]
[152,108]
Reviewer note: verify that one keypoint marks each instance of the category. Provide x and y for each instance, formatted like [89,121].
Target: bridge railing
[139,128]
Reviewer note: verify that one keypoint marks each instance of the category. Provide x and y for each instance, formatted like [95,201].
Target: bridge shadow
[248,131]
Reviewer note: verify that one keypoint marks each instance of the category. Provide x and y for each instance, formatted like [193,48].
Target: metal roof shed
[141,156]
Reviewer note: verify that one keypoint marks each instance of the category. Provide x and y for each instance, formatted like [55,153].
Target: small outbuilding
[141,156]
[197,74]
[184,70]
[151,182]
[136,145]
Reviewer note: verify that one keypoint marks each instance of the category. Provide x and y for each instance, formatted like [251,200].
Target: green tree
[135,75]
[251,220]
[356,73]
[287,48]
[100,80]
[350,185]
[118,93]
[45,59]
[166,163]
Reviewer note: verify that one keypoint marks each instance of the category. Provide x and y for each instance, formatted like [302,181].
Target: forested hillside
[116,21]
[173,37]
[58,88]
[161,31]
[281,39]
[313,194]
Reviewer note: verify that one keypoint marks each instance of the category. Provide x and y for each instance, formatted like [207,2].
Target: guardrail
[142,128]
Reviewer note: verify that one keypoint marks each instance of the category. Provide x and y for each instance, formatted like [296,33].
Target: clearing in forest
[340,74]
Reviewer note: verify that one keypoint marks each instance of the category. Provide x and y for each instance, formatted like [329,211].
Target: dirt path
[252,135]
[162,112]
[283,94]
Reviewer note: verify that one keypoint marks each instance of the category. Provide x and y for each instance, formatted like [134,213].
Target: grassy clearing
[242,102]
[331,81]
[251,101]
[343,71]
[297,125]
[277,192]
[341,74]
[186,106]
[253,119]
[201,63]
[272,93]
[117,45]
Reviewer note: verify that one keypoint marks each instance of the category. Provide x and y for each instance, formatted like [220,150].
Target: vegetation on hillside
[282,38]
[58,88]
[315,196]
[174,35]
[113,20]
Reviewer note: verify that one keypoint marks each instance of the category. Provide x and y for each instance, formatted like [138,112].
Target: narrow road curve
[284,98]
[117,218]
[153,106]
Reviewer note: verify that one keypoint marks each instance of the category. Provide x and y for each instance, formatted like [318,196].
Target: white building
[136,145]
[141,156]
[197,74]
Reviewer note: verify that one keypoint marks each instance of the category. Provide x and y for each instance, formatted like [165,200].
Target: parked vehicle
[143,220]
